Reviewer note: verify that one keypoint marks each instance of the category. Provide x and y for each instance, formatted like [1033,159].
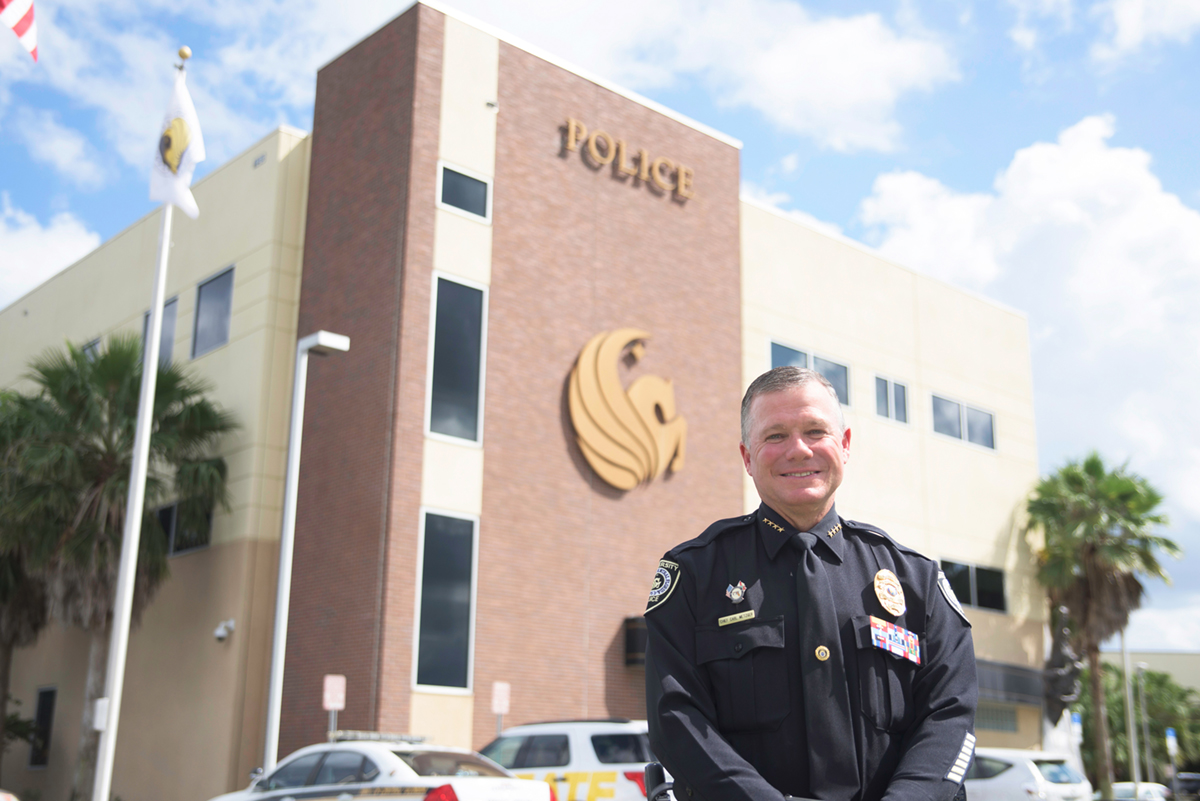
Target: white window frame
[231,268]
[812,356]
[425,511]
[478,176]
[892,400]
[962,420]
[483,338]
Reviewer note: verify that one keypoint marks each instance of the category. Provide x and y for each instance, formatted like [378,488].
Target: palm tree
[22,596]
[70,503]
[1098,541]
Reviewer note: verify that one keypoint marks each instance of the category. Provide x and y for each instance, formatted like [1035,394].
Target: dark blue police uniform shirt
[725,702]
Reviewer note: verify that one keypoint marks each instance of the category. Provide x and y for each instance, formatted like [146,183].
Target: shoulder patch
[948,591]
[665,579]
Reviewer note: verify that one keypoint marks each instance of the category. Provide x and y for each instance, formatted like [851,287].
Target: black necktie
[832,766]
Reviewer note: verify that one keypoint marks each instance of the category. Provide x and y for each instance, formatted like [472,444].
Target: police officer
[794,653]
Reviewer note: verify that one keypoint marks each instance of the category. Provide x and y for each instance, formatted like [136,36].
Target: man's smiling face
[797,452]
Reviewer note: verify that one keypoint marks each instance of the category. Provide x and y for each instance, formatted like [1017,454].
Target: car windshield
[448,763]
[1057,771]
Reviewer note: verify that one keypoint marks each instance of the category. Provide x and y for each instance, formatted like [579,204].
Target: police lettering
[600,149]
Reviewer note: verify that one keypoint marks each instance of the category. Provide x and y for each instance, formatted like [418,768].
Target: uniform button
[737,649]
[689,792]
[822,653]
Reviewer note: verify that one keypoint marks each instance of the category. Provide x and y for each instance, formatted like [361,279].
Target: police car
[380,766]
[584,760]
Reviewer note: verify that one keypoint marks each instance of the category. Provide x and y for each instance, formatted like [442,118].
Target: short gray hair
[779,379]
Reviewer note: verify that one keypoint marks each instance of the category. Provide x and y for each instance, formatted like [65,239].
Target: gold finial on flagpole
[185,52]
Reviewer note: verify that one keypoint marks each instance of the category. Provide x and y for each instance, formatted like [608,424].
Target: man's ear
[846,446]
[745,456]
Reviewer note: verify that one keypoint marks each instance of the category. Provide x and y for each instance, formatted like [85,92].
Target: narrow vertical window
[455,395]
[783,356]
[947,417]
[43,723]
[444,637]
[91,350]
[170,309]
[836,374]
[891,399]
[900,403]
[979,428]
[214,303]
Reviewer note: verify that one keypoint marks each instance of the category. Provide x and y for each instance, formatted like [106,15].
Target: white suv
[585,760]
[1013,774]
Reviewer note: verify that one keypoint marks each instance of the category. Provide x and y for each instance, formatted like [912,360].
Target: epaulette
[712,532]
[878,532]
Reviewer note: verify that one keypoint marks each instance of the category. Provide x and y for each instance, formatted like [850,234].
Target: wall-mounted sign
[600,148]
[628,436]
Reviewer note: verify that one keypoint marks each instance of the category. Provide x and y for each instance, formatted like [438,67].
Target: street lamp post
[1141,672]
[321,342]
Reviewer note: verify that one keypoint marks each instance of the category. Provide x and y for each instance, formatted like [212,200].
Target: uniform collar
[775,531]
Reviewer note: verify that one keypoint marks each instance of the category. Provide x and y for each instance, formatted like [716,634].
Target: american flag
[18,15]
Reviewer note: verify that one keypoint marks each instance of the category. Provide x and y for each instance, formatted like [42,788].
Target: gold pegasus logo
[627,436]
[174,142]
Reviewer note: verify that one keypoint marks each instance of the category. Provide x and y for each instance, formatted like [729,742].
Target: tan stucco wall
[183,690]
[947,498]
[1183,666]
[1027,735]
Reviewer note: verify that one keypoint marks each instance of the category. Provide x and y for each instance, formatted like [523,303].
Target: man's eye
[774,437]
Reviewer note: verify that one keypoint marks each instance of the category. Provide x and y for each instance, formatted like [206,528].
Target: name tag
[740,616]
[894,639]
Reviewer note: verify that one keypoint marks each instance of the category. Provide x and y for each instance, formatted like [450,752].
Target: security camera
[223,630]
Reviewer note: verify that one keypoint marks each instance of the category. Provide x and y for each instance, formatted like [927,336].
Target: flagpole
[107,714]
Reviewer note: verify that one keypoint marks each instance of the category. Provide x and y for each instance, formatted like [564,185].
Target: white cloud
[1132,24]
[1081,235]
[1031,14]
[33,252]
[65,149]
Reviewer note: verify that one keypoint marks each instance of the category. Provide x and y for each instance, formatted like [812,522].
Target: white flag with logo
[180,149]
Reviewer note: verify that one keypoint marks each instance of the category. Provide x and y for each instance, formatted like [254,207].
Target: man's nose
[797,447]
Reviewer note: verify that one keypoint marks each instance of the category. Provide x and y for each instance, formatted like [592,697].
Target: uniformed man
[792,652]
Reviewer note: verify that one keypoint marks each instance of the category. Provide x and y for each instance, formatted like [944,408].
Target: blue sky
[1040,152]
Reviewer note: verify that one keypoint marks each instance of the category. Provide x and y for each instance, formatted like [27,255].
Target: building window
[91,350]
[836,374]
[446,605]
[456,382]
[460,191]
[214,302]
[982,587]
[180,536]
[783,356]
[953,419]
[170,308]
[43,722]
[996,717]
[891,399]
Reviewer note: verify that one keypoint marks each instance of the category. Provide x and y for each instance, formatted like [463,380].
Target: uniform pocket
[748,671]
[885,682]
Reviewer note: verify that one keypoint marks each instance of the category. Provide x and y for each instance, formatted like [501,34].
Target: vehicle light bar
[345,735]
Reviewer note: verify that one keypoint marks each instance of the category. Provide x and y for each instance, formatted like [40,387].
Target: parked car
[1147,791]
[389,766]
[1187,784]
[1012,774]
[582,758]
